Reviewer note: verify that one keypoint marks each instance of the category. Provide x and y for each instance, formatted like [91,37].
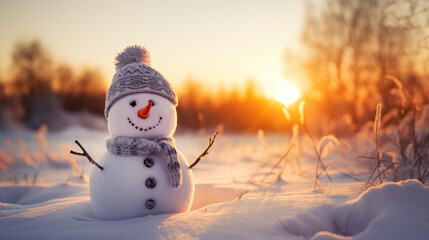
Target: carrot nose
[144,112]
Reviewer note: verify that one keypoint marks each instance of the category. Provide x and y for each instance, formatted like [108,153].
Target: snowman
[142,172]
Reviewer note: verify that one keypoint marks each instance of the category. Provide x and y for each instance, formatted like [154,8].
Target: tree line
[40,90]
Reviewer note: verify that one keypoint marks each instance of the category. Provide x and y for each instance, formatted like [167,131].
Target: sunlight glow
[286,93]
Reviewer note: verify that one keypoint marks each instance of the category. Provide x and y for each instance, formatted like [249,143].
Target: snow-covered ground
[44,193]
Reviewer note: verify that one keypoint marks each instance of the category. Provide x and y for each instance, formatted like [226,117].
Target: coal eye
[133,103]
[153,104]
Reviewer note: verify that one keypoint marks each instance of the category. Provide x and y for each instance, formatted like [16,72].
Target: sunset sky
[219,43]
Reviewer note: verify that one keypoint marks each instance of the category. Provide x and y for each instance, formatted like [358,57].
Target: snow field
[56,204]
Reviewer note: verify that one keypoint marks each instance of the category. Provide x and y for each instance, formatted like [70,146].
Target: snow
[389,211]
[45,199]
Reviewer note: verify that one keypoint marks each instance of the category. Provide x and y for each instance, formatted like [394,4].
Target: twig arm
[206,151]
[76,153]
[85,154]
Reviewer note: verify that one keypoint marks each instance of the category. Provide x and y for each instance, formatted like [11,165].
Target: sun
[286,92]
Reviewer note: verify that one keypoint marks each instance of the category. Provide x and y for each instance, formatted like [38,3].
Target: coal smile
[144,129]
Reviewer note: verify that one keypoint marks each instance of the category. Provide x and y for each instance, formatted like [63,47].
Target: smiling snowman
[142,172]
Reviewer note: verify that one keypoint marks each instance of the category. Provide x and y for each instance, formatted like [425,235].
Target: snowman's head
[140,101]
[143,115]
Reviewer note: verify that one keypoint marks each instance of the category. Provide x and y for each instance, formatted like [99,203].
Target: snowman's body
[137,186]
[133,186]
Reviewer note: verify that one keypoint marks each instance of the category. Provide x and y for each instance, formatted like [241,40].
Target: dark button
[148,162]
[150,204]
[150,182]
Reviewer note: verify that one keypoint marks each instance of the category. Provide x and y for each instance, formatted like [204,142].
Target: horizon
[221,45]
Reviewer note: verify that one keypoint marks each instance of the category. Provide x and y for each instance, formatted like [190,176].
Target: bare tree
[32,67]
[353,45]
[32,81]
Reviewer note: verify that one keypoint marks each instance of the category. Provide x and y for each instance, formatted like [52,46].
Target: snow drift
[389,211]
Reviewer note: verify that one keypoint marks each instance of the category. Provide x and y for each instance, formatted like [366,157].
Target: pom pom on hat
[132,54]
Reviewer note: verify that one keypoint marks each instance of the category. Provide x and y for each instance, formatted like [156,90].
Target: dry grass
[277,163]
[377,124]
[318,152]
[239,194]
[413,149]
[33,181]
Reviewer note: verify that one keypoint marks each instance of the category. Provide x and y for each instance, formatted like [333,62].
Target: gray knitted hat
[134,75]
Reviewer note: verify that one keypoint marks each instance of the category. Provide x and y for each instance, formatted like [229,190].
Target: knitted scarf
[128,146]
